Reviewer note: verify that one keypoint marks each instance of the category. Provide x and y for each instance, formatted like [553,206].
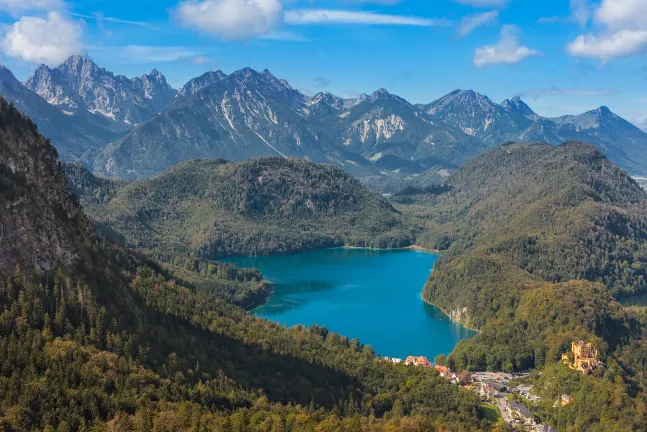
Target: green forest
[121,321]
[212,208]
[98,337]
[540,242]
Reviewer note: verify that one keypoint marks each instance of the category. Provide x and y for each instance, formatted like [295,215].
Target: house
[417,361]
[567,400]
[520,411]
[444,371]
[395,360]
[544,428]
[496,386]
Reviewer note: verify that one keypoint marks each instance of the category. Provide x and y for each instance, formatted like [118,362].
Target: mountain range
[136,128]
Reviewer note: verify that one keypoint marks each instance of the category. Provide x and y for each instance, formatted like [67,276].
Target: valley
[111,277]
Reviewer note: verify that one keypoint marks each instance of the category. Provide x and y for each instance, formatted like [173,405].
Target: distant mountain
[79,85]
[519,106]
[395,134]
[476,115]
[248,114]
[75,138]
[201,82]
[620,140]
[150,126]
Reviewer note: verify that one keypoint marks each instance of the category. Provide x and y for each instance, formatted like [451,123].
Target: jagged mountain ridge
[384,127]
[75,138]
[248,114]
[478,116]
[369,136]
[80,85]
[201,82]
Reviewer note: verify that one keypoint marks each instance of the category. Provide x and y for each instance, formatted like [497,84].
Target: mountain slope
[73,137]
[519,106]
[553,213]
[478,116]
[383,125]
[214,208]
[79,85]
[540,239]
[201,82]
[248,114]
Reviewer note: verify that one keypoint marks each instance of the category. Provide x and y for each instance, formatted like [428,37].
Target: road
[500,401]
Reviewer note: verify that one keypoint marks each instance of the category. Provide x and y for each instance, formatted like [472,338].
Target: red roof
[442,369]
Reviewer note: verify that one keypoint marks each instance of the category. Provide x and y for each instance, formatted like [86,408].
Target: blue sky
[561,56]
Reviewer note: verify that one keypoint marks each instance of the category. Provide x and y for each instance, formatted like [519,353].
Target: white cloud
[231,19]
[199,60]
[607,47]
[49,40]
[325,16]
[581,12]
[507,51]
[471,22]
[284,35]
[100,18]
[484,3]
[153,54]
[624,31]
[16,7]
[622,14]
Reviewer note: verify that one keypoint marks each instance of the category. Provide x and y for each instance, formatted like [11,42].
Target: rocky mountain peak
[329,99]
[78,84]
[6,76]
[516,104]
[203,81]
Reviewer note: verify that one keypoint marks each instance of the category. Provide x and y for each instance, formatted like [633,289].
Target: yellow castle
[585,357]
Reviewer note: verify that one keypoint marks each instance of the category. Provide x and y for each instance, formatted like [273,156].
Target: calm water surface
[371,295]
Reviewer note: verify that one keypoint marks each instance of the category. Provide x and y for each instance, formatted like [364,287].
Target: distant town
[505,392]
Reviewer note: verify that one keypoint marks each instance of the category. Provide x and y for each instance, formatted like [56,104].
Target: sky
[560,56]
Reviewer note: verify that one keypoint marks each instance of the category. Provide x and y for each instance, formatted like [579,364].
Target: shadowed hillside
[214,208]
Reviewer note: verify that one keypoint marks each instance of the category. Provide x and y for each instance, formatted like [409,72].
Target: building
[585,357]
[444,371]
[496,386]
[521,412]
[567,399]
[417,361]
[395,360]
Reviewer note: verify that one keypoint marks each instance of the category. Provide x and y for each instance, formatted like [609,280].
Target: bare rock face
[41,223]
[80,85]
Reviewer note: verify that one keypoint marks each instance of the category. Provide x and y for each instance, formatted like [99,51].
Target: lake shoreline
[337,287]
[412,247]
[449,316]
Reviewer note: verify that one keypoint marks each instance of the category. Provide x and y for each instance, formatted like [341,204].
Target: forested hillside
[213,208]
[539,241]
[95,337]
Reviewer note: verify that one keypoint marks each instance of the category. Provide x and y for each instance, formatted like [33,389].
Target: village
[505,392]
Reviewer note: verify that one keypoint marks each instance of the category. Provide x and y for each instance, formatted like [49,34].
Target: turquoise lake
[370,295]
